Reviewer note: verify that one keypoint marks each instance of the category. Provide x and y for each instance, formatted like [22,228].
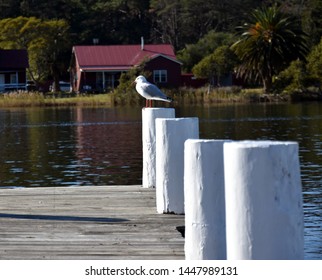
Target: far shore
[182,96]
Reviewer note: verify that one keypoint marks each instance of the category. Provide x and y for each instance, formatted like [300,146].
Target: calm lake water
[44,147]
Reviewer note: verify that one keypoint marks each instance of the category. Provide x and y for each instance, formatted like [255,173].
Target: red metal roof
[13,59]
[119,57]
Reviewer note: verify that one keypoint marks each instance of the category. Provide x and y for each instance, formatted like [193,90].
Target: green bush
[292,79]
[125,93]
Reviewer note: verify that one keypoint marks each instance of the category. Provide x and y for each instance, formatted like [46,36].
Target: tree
[314,65]
[311,17]
[54,52]
[268,44]
[293,79]
[45,40]
[200,17]
[8,8]
[18,32]
[192,54]
[117,21]
[221,62]
[167,20]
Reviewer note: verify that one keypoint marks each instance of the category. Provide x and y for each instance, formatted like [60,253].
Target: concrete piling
[204,192]
[149,115]
[171,133]
[264,215]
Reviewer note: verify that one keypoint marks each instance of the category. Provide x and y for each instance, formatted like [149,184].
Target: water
[63,147]
[45,147]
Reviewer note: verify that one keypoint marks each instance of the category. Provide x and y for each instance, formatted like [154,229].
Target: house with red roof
[13,69]
[99,68]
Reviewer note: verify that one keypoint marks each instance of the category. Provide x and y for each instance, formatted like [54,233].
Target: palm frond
[268,43]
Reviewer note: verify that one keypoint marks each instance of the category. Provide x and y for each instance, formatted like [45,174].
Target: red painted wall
[173,68]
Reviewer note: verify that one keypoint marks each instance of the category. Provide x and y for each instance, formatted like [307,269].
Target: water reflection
[47,147]
[50,147]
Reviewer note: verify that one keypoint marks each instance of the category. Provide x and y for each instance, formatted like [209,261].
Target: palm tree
[268,45]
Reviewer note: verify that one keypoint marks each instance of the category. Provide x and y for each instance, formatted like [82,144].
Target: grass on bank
[30,99]
[181,96]
[202,96]
[217,95]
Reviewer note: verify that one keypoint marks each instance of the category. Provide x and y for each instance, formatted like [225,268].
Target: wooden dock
[107,222]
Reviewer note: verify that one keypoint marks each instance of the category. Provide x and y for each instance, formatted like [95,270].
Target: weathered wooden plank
[110,222]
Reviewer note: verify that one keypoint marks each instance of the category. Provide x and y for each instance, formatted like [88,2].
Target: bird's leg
[151,103]
[146,103]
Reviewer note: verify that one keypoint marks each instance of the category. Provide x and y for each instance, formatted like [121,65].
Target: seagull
[149,91]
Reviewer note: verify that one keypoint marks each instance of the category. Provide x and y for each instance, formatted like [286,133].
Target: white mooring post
[170,137]
[264,215]
[204,197]
[149,116]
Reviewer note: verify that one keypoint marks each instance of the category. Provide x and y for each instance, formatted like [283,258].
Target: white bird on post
[149,91]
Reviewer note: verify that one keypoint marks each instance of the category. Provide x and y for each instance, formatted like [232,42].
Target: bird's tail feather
[166,99]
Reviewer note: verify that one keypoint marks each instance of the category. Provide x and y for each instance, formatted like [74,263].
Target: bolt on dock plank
[94,222]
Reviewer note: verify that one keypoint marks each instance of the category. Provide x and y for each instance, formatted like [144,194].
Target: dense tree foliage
[195,28]
[47,42]
[268,44]
[194,53]
[314,65]
[179,22]
[218,64]
[293,79]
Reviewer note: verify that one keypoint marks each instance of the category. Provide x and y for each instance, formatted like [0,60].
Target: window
[13,78]
[160,76]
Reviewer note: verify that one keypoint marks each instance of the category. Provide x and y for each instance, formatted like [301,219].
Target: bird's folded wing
[153,90]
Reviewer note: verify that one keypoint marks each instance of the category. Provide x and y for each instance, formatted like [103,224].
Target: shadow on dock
[63,218]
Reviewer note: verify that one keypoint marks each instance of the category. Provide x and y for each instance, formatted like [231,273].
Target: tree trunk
[56,86]
[267,82]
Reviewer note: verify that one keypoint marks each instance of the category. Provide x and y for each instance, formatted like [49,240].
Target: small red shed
[13,69]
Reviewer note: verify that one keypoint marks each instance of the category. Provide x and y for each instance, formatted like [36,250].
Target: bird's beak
[133,83]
